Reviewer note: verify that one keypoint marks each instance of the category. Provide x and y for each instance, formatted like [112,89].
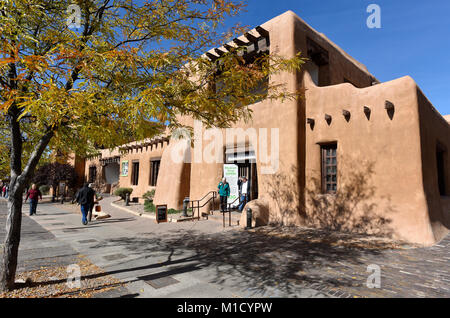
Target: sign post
[161,214]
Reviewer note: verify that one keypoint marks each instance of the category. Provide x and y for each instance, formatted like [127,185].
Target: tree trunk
[12,239]
[14,219]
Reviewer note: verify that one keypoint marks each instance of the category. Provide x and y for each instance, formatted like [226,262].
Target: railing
[195,204]
[229,212]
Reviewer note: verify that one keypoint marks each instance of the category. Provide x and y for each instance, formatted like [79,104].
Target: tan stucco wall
[79,165]
[269,115]
[288,34]
[342,66]
[174,178]
[143,155]
[433,130]
[381,178]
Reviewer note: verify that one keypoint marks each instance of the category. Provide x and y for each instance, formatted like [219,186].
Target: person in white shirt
[245,186]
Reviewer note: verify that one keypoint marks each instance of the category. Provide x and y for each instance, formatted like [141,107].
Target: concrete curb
[153,217]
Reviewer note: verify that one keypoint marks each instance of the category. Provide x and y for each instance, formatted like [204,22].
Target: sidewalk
[202,259]
[43,261]
[149,258]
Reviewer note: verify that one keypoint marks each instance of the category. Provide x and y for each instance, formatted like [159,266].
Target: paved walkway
[201,259]
[38,247]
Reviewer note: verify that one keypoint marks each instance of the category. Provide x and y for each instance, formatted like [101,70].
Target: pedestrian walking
[224,193]
[85,198]
[33,194]
[7,190]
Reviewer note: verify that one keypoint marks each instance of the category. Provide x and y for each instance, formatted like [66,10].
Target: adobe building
[353,155]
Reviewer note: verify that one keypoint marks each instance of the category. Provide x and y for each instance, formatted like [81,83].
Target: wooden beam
[219,51]
[229,47]
[346,114]
[239,42]
[311,122]
[389,106]
[251,37]
[367,111]
[212,57]
[262,31]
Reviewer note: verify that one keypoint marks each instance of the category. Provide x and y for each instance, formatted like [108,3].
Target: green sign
[230,172]
[124,168]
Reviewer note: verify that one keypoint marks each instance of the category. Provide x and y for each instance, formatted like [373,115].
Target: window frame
[135,172]
[92,176]
[324,155]
[152,179]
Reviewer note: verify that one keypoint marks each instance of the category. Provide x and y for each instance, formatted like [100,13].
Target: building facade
[353,155]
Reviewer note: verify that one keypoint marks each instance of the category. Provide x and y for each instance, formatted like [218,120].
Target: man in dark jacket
[85,198]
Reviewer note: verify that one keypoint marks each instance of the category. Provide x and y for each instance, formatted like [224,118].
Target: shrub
[122,192]
[173,211]
[149,206]
[148,196]
[44,189]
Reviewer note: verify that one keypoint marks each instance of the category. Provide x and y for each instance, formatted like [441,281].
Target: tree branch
[35,157]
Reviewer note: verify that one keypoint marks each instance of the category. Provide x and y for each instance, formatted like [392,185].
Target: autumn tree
[126,72]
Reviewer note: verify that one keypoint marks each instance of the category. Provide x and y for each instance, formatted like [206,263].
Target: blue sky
[414,38]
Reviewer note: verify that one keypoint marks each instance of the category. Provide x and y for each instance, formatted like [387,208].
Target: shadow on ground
[263,259]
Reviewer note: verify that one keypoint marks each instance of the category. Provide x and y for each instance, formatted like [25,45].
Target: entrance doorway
[246,162]
[248,170]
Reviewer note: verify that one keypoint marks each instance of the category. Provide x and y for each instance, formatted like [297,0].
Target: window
[92,174]
[320,68]
[329,168]
[440,156]
[135,173]
[154,170]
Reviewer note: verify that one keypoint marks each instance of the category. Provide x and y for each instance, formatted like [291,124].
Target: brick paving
[313,259]
[209,261]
